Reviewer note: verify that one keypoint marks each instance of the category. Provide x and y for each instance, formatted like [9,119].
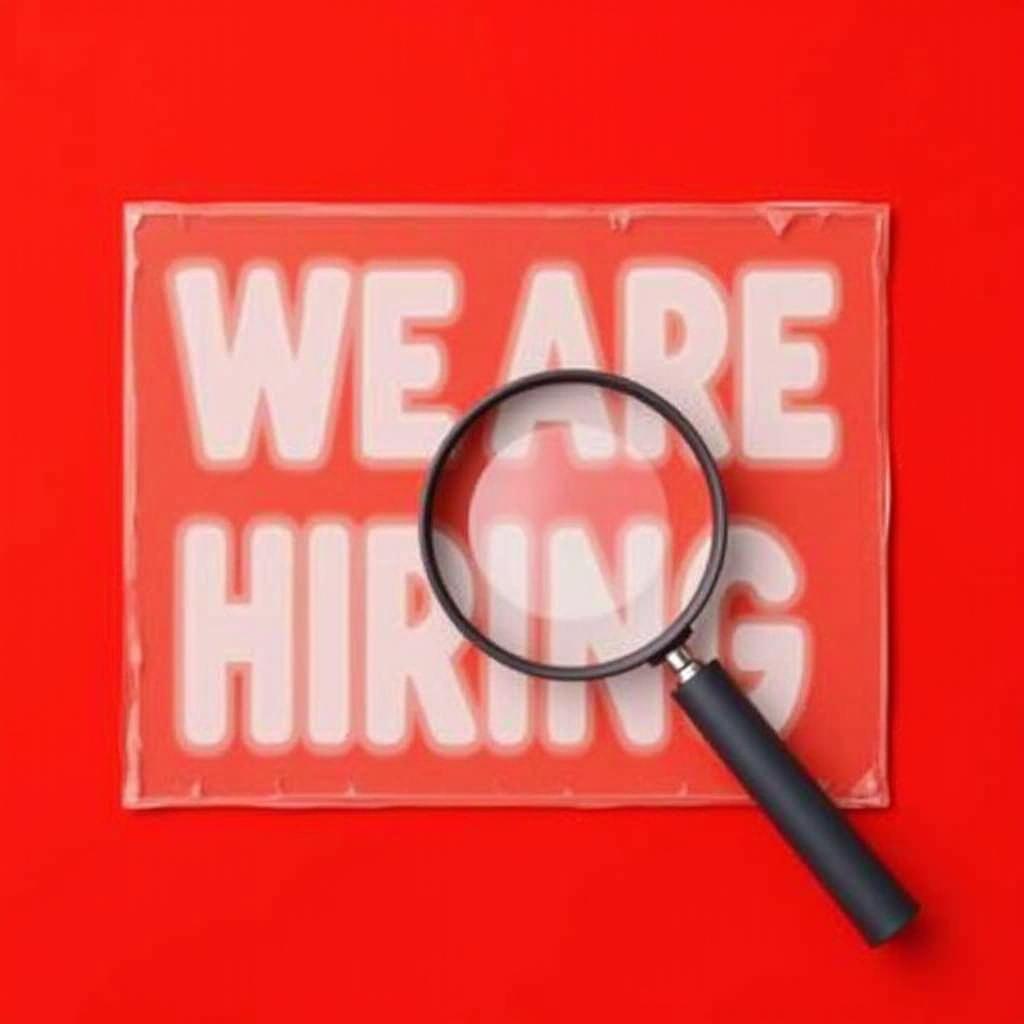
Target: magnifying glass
[553,518]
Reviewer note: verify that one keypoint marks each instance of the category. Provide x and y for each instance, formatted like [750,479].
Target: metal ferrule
[683,663]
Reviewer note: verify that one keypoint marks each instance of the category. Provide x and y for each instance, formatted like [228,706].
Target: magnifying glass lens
[570,523]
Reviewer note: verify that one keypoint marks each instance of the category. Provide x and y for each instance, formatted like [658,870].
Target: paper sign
[291,369]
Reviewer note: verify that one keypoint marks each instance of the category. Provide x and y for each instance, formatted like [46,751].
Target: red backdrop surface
[509,914]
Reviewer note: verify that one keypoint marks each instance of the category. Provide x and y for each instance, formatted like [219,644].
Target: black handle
[861,884]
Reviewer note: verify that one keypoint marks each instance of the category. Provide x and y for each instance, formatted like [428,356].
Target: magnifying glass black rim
[679,629]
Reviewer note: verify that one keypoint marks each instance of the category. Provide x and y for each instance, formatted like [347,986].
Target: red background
[529,914]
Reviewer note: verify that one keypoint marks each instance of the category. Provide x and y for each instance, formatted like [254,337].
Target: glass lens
[570,522]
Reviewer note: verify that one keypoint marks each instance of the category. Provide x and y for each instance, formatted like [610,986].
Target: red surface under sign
[291,371]
[519,914]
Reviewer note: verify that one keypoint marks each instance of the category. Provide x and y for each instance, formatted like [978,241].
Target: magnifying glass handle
[813,826]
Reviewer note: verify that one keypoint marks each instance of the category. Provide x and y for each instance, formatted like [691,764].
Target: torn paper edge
[131,667]
[777,213]
[883,218]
